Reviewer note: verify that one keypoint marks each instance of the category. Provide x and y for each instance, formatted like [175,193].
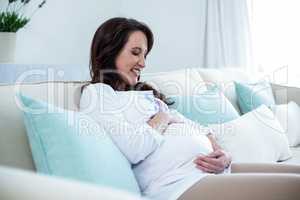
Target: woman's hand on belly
[215,162]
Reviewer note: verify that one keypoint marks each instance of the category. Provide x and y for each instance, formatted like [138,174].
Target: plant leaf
[11,22]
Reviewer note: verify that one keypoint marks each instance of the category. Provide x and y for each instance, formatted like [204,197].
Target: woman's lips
[136,72]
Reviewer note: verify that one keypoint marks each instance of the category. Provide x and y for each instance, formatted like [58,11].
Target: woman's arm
[136,141]
[215,162]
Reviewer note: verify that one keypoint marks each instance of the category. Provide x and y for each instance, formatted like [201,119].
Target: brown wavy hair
[108,41]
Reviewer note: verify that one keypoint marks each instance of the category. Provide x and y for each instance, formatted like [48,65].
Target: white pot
[7,47]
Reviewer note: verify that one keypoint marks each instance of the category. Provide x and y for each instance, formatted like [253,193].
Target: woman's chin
[133,82]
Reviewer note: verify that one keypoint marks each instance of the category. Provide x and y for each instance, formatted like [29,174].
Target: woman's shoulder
[96,90]
[99,87]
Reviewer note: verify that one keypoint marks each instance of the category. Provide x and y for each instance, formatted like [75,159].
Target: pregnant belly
[184,142]
[174,158]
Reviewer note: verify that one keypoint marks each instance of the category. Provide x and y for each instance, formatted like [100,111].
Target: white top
[163,164]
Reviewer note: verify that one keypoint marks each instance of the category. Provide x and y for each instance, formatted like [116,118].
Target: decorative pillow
[251,96]
[72,145]
[209,107]
[289,117]
[254,137]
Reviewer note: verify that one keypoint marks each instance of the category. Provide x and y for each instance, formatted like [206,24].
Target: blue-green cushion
[251,96]
[209,107]
[72,145]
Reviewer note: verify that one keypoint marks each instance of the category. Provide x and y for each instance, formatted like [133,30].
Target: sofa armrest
[18,184]
[284,94]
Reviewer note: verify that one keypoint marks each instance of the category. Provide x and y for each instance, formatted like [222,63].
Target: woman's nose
[142,62]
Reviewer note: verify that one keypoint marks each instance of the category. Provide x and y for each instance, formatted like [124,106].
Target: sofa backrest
[176,82]
[14,147]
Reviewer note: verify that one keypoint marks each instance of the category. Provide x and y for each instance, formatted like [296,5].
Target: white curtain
[226,34]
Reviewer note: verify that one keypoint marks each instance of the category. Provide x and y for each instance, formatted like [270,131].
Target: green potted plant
[12,18]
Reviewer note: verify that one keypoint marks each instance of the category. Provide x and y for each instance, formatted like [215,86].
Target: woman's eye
[135,53]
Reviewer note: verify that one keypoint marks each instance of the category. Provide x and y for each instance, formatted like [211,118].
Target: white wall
[176,27]
[61,32]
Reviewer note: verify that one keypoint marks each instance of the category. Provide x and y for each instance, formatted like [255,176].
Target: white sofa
[15,150]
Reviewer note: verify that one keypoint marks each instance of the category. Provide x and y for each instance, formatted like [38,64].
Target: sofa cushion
[289,117]
[72,145]
[177,82]
[14,148]
[224,78]
[208,107]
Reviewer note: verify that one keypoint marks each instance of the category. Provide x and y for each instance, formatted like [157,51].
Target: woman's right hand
[160,121]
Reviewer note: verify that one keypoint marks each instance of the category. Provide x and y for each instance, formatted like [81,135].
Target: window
[275,30]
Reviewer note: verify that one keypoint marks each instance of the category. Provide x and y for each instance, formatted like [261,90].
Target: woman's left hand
[215,162]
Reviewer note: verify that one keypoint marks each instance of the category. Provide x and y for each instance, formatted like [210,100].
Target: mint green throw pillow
[72,145]
[251,96]
[209,107]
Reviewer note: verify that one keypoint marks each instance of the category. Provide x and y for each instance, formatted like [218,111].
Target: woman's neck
[122,86]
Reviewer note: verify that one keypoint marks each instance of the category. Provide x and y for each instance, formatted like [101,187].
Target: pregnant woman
[172,157]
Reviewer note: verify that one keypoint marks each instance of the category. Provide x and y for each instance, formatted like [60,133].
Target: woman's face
[131,59]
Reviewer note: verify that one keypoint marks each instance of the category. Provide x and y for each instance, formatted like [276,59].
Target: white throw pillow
[289,117]
[254,137]
[224,78]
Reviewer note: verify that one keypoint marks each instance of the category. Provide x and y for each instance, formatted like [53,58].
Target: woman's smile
[136,71]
